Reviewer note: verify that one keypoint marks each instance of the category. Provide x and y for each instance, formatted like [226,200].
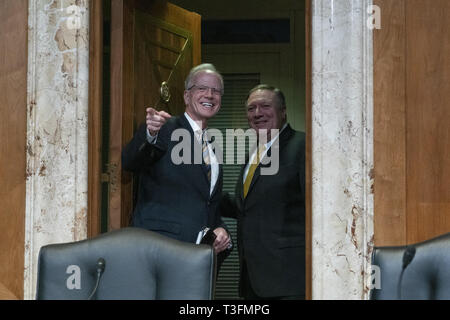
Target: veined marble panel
[57,144]
[342,149]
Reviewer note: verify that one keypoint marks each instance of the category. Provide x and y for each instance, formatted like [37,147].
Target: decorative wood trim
[95,117]
[13,145]
[308,158]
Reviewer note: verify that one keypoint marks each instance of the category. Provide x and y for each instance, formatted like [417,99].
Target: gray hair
[278,93]
[204,67]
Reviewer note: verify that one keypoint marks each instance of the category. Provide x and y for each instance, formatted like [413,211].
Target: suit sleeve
[228,207]
[139,154]
[218,221]
[224,254]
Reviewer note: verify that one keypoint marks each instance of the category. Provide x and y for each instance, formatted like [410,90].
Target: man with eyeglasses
[180,200]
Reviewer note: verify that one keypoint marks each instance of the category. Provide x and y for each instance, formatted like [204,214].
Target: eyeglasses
[204,89]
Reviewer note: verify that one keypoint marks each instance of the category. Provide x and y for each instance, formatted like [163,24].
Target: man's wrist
[151,138]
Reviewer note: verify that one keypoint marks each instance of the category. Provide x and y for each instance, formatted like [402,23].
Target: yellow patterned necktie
[252,169]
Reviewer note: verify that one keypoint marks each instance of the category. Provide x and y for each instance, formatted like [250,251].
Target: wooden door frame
[121,83]
[13,124]
[95,117]
[120,8]
[308,155]
[95,126]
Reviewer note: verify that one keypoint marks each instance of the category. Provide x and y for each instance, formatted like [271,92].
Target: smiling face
[265,111]
[203,98]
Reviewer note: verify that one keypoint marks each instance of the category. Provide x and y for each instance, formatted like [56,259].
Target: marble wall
[342,160]
[342,149]
[56,200]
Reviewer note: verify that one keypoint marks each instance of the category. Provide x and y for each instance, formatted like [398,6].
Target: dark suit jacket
[271,222]
[173,200]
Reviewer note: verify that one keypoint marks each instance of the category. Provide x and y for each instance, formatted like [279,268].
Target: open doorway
[258,43]
[252,42]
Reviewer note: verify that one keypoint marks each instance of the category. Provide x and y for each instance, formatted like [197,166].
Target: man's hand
[155,120]
[222,240]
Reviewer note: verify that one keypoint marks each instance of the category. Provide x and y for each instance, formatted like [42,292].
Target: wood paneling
[13,120]
[175,15]
[158,47]
[121,115]
[95,114]
[412,117]
[390,125]
[5,293]
[428,118]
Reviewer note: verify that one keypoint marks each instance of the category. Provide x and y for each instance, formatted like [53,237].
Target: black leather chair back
[426,278]
[139,264]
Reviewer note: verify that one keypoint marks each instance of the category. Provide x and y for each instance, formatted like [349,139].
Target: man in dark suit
[178,195]
[270,208]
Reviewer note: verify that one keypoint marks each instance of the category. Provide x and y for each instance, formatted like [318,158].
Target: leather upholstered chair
[427,277]
[139,264]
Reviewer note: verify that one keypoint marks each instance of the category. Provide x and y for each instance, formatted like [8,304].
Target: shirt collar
[269,144]
[198,132]
[195,127]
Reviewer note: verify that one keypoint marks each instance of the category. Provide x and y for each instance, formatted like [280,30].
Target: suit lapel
[283,139]
[218,182]
[240,185]
[196,170]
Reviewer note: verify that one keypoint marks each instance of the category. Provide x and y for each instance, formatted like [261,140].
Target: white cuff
[151,139]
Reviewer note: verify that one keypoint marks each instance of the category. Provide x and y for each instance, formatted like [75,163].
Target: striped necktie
[205,154]
[252,169]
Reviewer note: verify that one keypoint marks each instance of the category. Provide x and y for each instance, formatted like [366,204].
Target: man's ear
[186,97]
